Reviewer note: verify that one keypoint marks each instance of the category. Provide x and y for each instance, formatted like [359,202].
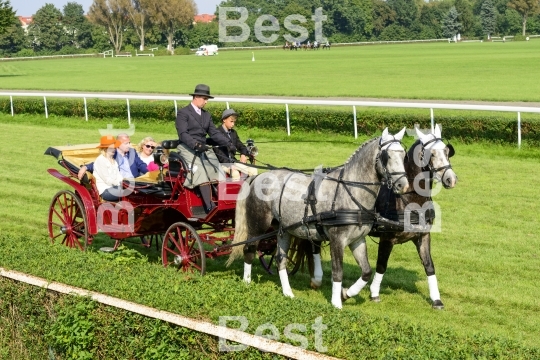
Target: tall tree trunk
[524,23]
[170,35]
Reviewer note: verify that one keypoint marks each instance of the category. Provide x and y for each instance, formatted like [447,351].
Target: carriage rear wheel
[266,252]
[182,248]
[67,220]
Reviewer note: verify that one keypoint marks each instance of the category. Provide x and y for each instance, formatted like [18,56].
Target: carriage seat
[177,165]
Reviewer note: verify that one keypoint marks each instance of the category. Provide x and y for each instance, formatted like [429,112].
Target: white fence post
[46,111]
[11,100]
[228,105]
[432,121]
[175,108]
[288,121]
[355,127]
[85,110]
[129,113]
[519,130]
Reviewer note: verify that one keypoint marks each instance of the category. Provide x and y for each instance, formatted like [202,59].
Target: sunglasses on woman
[150,147]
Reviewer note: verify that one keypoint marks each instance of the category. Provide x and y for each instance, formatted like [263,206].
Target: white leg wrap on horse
[285,286]
[336,295]
[357,286]
[247,273]
[317,272]
[376,284]
[433,288]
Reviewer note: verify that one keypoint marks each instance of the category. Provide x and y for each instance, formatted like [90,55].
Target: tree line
[131,24]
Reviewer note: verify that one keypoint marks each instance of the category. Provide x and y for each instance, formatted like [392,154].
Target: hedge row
[498,128]
[39,324]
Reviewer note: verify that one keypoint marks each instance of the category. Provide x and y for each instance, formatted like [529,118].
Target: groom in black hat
[193,124]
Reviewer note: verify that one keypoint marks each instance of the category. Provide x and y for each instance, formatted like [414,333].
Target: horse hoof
[437,305]
[344,295]
[375,299]
[315,285]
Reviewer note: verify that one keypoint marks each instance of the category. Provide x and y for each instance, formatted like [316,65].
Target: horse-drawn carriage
[158,207]
[339,206]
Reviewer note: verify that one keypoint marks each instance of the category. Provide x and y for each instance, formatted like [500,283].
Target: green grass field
[486,256]
[466,71]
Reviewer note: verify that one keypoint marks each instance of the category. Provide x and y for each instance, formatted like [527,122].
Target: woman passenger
[106,172]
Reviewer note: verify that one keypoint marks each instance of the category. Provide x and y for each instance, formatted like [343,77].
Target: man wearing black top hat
[231,165]
[193,123]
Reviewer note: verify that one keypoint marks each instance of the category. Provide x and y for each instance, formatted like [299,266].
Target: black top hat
[228,113]
[202,90]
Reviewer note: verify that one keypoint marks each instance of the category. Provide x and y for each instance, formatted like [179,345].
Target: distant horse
[426,161]
[316,47]
[338,206]
[326,46]
[286,46]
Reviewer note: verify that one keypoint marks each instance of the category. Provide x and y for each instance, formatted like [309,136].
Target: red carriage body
[159,207]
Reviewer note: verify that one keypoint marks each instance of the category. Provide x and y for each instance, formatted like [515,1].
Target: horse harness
[394,220]
[361,216]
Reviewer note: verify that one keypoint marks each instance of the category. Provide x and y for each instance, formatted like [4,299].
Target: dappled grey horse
[337,206]
[428,160]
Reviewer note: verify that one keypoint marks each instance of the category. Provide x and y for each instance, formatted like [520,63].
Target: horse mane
[360,149]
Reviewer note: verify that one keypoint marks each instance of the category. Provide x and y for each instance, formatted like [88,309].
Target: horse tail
[301,251]
[240,222]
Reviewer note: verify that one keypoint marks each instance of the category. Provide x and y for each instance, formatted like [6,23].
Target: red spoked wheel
[182,248]
[67,220]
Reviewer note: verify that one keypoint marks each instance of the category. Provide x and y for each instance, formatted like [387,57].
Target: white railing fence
[315,102]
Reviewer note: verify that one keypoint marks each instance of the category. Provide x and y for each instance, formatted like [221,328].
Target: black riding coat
[222,152]
[192,128]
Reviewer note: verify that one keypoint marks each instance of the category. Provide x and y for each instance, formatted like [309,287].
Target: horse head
[433,155]
[390,161]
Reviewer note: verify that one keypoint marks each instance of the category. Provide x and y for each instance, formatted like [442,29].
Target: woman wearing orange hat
[108,178]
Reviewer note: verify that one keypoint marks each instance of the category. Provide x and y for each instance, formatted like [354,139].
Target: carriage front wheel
[67,220]
[182,248]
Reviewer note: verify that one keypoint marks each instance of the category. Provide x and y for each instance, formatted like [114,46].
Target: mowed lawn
[487,256]
[465,71]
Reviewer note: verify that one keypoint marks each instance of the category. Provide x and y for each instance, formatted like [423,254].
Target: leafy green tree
[450,24]
[76,26]
[525,8]
[406,11]
[100,38]
[431,16]
[140,18]
[47,30]
[466,17]
[13,39]
[488,17]
[383,16]
[172,15]
[113,16]
[6,15]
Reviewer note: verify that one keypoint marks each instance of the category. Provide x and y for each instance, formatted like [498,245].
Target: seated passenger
[106,172]
[193,124]
[145,150]
[129,162]
[225,156]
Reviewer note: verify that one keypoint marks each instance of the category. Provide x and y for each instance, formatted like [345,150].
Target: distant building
[203,18]
[25,21]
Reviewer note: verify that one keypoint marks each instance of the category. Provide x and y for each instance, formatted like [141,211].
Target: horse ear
[385,133]
[400,134]
[419,133]
[437,131]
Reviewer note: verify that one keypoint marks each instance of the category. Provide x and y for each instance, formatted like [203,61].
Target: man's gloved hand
[231,148]
[201,147]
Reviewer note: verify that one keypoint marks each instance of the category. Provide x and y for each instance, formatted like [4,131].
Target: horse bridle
[429,167]
[383,157]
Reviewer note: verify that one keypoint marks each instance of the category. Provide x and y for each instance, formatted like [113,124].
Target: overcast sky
[29,7]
